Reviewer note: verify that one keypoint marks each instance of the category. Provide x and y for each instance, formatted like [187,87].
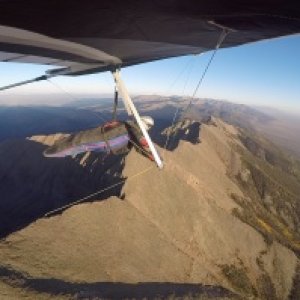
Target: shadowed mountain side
[183,129]
[113,290]
[186,130]
[169,137]
[21,122]
[32,185]
[174,225]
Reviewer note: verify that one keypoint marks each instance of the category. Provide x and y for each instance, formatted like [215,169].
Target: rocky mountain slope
[218,221]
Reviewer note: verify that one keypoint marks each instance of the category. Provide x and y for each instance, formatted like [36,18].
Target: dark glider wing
[89,36]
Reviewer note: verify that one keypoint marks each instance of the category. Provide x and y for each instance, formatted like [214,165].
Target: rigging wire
[96,193]
[80,200]
[178,107]
[102,190]
[186,67]
[72,97]
[221,39]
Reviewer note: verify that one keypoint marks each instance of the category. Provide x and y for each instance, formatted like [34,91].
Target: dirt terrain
[168,233]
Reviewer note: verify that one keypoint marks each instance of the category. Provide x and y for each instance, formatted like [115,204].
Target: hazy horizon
[59,99]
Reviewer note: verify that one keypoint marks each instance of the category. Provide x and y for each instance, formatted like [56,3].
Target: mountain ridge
[177,225]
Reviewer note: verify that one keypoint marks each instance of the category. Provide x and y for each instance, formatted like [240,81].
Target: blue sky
[265,73]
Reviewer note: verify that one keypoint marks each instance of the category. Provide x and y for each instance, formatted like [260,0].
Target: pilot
[114,137]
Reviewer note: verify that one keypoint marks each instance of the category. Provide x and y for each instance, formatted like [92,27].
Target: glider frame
[131,110]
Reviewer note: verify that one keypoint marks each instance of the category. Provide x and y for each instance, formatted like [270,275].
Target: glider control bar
[129,104]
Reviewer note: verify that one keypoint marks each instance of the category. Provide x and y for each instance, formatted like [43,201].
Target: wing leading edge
[94,36]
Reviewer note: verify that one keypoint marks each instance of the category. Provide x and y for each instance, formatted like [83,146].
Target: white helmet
[147,121]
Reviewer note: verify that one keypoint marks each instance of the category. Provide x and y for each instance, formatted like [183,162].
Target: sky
[265,73]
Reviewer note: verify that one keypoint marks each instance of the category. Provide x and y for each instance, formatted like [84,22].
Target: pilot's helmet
[147,121]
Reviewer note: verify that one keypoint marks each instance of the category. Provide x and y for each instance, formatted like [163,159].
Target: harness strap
[115,105]
[110,150]
[106,127]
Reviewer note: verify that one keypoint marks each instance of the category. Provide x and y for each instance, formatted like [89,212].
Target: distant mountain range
[18,122]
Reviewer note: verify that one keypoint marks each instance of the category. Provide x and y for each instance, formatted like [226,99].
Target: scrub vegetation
[270,182]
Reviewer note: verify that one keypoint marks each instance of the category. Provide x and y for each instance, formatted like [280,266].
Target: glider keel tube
[129,103]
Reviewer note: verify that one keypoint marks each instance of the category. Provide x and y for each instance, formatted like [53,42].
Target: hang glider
[90,36]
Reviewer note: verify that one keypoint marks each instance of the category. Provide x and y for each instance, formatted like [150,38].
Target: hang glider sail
[83,37]
[94,36]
